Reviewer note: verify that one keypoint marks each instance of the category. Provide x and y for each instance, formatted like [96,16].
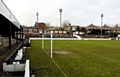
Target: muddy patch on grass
[61,52]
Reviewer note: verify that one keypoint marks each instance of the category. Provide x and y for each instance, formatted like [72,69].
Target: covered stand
[9,25]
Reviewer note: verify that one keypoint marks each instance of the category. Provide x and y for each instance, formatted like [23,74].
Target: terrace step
[12,74]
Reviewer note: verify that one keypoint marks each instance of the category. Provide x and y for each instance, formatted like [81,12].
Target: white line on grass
[59,68]
[102,57]
[57,65]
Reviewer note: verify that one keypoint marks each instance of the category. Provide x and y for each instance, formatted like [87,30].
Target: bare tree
[47,25]
[66,24]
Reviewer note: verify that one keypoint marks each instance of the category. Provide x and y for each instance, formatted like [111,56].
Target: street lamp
[101,23]
[60,10]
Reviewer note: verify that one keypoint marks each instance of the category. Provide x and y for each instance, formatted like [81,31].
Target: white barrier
[69,39]
[16,66]
[27,69]
[118,37]
[97,38]
[77,36]
[53,39]
[19,55]
[13,67]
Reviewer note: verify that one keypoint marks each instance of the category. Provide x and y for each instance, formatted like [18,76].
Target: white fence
[69,39]
[53,39]
[2,40]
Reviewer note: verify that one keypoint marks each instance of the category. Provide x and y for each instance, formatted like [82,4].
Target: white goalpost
[51,50]
[51,43]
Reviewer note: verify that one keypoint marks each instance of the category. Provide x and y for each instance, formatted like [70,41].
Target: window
[40,30]
[30,30]
[64,31]
[56,31]
[35,30]
[90,27]
[51,31]
[60,31]
[25,30]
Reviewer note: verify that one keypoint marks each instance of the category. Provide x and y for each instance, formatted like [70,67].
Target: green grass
[88,58]
[40,63]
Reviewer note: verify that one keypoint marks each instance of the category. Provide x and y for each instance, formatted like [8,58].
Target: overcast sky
[77,12]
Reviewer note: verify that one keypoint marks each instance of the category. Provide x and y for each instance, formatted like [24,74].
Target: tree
[116,27]
[78,28]
[66,24]
[47,25]
[70,28]
[83,29]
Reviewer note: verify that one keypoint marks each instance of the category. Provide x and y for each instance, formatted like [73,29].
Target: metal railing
[12,65]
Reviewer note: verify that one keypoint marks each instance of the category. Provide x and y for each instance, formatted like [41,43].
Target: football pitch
[75,58]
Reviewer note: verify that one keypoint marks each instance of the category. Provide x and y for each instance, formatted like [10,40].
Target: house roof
[92,25]
[105,26]
[38,23]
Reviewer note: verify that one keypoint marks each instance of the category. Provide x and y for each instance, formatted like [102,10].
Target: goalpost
[51,43]
[51,51]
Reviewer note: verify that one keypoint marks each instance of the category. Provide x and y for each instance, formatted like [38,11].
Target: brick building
[116,29]
[34,31]
[92,26]
[96,31]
